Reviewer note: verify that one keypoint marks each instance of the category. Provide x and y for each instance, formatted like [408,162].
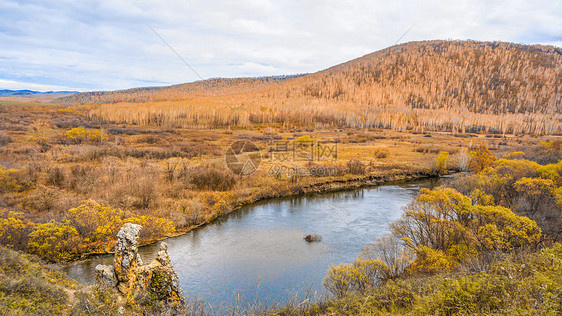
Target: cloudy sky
[108,44]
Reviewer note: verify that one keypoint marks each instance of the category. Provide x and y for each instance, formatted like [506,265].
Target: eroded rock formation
[155,284]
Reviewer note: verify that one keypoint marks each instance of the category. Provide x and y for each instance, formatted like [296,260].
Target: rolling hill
[458,86]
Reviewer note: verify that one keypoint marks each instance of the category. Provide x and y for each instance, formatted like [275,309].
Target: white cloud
[107,44]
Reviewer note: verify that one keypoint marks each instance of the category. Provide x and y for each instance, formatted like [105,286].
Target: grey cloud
[107,44]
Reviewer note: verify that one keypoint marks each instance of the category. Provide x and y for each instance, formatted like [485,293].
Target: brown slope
[481,77]
[209,87]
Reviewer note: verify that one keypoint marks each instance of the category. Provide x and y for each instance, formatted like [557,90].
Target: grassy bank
[524,283]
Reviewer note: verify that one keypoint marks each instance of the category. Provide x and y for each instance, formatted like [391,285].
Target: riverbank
[333,185]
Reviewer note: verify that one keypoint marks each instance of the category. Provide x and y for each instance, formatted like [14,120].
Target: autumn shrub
[56,176]
[440,230]
[14,231]
[393,255]
[442,218]
[304,140]
[552,172]
[82,178]
[514,155]
[499,179]
[38,130]
[54,241]
[144,192]
[441,162]
[544,153]
[430,260]
[96,223]
[497,228]
[132,186]
[524,186]
[384,260]
[4,139]
[381,153]
[209,177]
[75,135]
[80,135]
[195,149]
[152,227]
[534,191]
[44,198]
[356,167]
[96,136]
[357,277]
[481,158]
[14,180]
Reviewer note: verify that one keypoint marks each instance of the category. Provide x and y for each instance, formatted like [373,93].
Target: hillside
[210,87]
[459,86]
[440,80]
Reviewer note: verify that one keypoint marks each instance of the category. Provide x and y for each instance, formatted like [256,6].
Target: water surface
[258,253]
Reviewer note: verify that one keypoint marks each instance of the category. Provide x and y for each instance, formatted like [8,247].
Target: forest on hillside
[455,86]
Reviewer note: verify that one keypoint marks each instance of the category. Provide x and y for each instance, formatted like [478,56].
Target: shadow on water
[257,253]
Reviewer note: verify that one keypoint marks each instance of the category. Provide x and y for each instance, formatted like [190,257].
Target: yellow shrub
[552,172]
[515,154]
[445,220]
[14,232]
[441,161]
[96,135]
[480,197]
[11,180]
[431,260]
[98,224]
[558,196]
[535,190]
[54,241]
[152,227]
[76,134]
[357,277]
[481,158]
[498,228]
[304,140]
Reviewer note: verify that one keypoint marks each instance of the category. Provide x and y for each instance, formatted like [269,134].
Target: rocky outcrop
[155,284]
[105,275]
[313,237]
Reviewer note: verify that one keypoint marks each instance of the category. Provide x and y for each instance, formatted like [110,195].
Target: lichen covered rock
[154,285]
[105,275]
[126,258]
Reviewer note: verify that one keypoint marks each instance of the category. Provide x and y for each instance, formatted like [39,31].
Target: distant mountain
[17,92]
[6,92]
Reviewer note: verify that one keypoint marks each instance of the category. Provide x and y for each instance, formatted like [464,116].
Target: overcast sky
[107,44]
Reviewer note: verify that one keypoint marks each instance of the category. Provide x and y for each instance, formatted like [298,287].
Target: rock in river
[313,237]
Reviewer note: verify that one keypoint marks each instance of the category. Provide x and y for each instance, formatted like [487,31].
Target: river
[257,253]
